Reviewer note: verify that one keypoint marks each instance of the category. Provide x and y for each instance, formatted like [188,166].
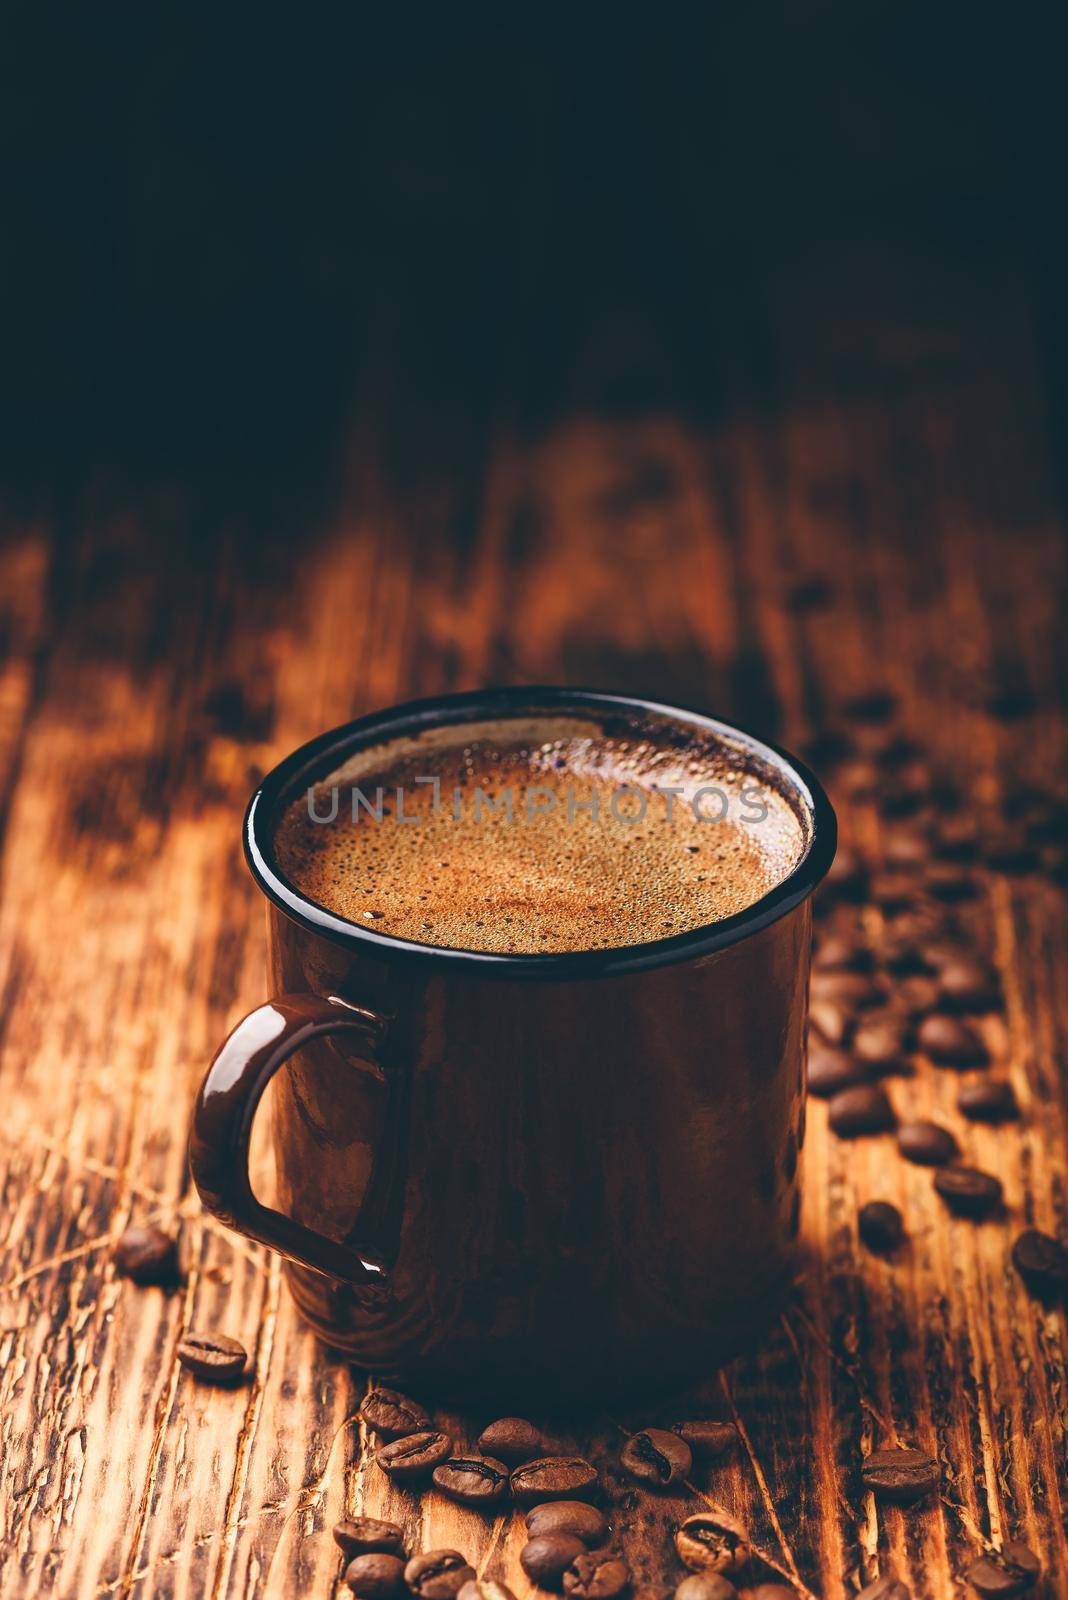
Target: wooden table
[880,514]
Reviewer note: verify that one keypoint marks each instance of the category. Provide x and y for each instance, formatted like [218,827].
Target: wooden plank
[139,699]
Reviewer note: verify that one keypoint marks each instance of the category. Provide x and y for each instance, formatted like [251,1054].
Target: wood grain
[154,663]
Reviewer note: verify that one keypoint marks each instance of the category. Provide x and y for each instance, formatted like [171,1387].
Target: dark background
[219,230]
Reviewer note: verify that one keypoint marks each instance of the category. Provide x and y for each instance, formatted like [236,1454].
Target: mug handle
[224,1113]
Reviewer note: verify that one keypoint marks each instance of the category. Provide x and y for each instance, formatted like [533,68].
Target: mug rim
[329,749]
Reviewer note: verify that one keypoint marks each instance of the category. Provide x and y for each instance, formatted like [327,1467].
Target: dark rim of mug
[325,753]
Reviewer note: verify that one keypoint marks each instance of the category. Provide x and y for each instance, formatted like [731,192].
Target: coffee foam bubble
[553,876]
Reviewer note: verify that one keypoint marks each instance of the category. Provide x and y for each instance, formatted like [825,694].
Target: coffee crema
[542,833]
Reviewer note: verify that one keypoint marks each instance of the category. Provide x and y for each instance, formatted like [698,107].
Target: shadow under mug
[553,1177]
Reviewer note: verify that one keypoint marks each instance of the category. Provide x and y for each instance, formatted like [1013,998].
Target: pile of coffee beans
[902,977]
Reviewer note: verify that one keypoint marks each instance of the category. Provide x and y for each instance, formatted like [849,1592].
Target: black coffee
[541,834]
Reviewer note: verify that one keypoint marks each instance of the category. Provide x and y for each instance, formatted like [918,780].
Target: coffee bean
[773,1591]
[656,1458]
[707,1440]
[706,1586]
[907,849]
[876,706]
[485,1589]
[840,954]
[859,778]
[965,985]
[890,891]
[900,1474]
[950,1042]
[967,1191]
[473,1480]
[361,1536]
[376,1576]
[915,996]
[949,882]
[829,1021]
[901,954]
[886,1588]
[511,1439]
[591,1577]
[957,839]
[552,1478]
[926,1143]
[415,1455]
[212,1357]
[830,1070]
[880,1226]
[438,1574]
[988,1100]
[544,1558]
[1010,851]
[147,1256]
[880,1042]
[861,1110]
[712,1541]
[568,1516]
[851,990]
[1042,1263]
[845,877]
[1004,1573]
[391,1414]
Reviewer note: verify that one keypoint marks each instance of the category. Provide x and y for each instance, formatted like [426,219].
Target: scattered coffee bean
[875,706]
[707,1440]
[861,1110]
[965,985]
[212,1357]
[391,1414]
[851,990]
[485,1589]
[907,849]
[915,996]
[880,1042]
[363,1536]
[552,1478]
[845,877]
[438,1574]
[951,1042]
[891,891]
[1010,851]
[415,1455]
[899,1474]
[967,1191]
[591,1577]
[1004,1573]
[1042,1262]
[830,1070]
[949,882]
[773,1591]
[147,1256]
[511,1439]
[712,1541]
[988,1100]
[880,1226]
[957,839]
[885,1588]
[544,1558]
[656,1457]
[706,1586]
[375,1576]
[902,955]
[926,1143]
[568,1516]
[839,954]
[829,1021]
[473,1480]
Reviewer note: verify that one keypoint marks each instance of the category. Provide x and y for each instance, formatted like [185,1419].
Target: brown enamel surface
[144,691]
